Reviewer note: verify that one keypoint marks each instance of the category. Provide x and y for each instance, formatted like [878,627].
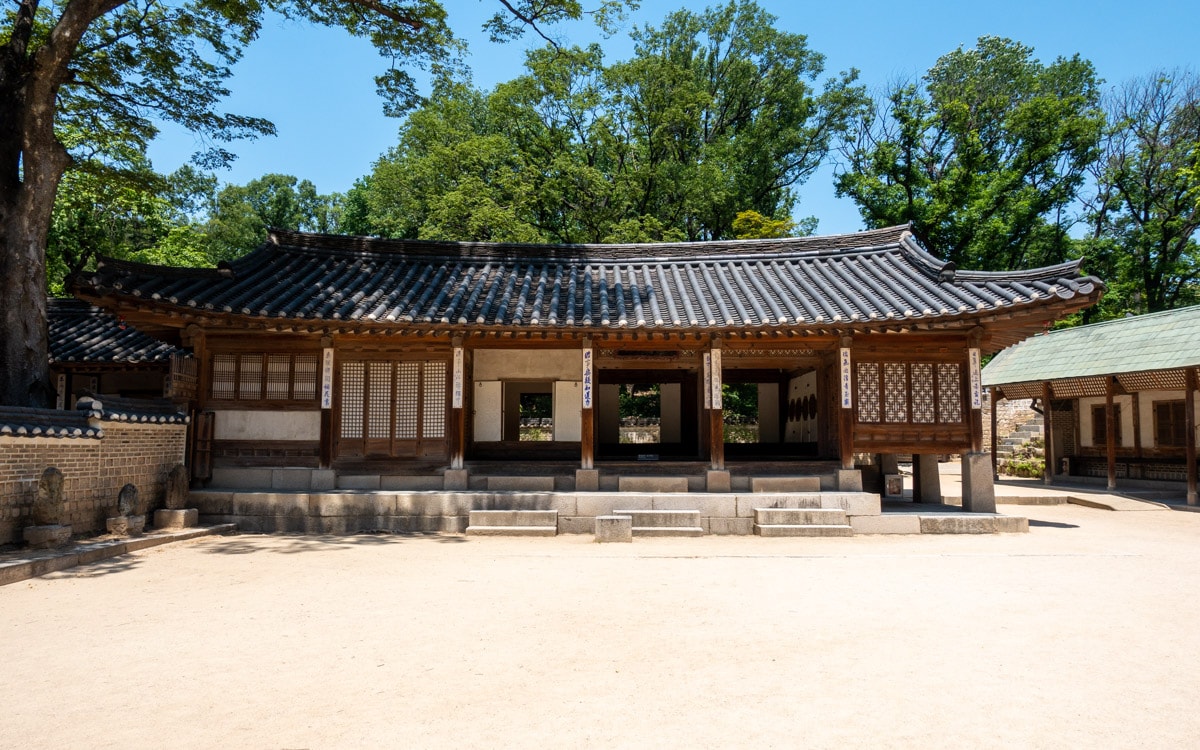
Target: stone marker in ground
[48,531]
[175,515]
[130,519]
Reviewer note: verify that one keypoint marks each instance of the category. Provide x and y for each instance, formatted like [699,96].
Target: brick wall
[94,469]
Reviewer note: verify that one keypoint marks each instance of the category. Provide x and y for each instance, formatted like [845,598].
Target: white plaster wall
[670,412]
[528,364]
[1085,420]
[803,430]
[768,412]
[568,407]
[267,425]
[489,411]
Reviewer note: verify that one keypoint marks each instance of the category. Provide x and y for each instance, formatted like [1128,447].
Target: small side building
[1118,398]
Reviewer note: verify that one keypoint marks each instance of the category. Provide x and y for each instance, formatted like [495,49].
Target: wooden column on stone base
[587,415]
[995,437]
[328,365]
[716,414]
[1110,432]
[1048,432]
[458,420]
[1189,420]
[845,405]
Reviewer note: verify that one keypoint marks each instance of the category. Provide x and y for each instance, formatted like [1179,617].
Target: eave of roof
[1157,341]
[870,279]
[80,333]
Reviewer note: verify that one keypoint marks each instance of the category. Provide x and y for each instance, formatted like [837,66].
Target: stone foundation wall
[95,469]
[1009,416]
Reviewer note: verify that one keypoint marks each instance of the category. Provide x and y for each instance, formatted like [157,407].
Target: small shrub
[1029,461]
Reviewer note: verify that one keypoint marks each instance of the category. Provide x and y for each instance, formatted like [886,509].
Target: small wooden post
[995,441]
[1189,421]
[1110,432]
[587,421]
[1048,432]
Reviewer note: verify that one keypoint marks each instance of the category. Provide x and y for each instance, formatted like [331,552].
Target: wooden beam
[1110,432]
[995,437]
[1189,420]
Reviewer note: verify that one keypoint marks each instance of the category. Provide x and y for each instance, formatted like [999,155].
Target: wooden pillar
[328,363]
[458,420]
[1189,421]
[587,421]
[716,412]
[975,380]
[1136,403]
[1110,432]
[846,406]
[1048,432]
[995,440]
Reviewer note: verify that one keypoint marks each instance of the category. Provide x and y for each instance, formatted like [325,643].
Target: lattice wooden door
[393,409]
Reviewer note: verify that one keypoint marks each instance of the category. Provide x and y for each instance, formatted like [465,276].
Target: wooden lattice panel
[250,372]
[279,376]
[1077,387]
[949,390]
[182,381]
[408,398]
[353,376]
[1014,391]
[1158,380]
[895,392]
[434,416]
[304,377]
[923,400]
[379,399]
[868,391]
[224,376]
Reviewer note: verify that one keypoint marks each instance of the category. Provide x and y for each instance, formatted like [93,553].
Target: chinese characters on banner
[847,398]
[976,380]
[716,379]
[587,378]
[327,379]
[456,396]
[708,380]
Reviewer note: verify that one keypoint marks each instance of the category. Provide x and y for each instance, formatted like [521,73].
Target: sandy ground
[1083,633]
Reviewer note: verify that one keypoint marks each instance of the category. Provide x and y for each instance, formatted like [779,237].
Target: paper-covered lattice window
[435,401]
[868,391]
[408,397]
[224,376]
[352,399]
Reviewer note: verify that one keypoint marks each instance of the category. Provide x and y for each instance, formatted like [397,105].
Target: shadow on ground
[1052,524]
[293,544]
[120,564]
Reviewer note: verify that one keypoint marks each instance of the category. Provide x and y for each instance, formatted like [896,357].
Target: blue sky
[317,84]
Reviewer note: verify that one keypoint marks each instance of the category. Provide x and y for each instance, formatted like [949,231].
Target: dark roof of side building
[865,279]
[83,333]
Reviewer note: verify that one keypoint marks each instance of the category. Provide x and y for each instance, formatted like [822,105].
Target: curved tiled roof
[838,280]
[80,332]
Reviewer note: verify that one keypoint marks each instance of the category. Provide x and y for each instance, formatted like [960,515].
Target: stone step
[652,484]
[800,517]
[513,523]
[664,522]
[785,484]
[803,530]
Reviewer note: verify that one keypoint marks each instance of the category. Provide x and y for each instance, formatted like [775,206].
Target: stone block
[241,479]
[717,481]
[47,536]
[513,518]
[978,490]
[746,504]
[269,504]
[958,524]
[321,480]
[710,505]
[576,524]
[117,525]
[602,503]
[854,503]
[614,529]
[358,482]
[1011,525]
[802,530]
[799,517]
[165,518]
[587,480]
[456,479]
[927,479]
[730,526]
[411,482]
[785,484]
[48,506]
[291,479]
[522,484]
[652,484]
[212,503]
[890,523]
[849,480]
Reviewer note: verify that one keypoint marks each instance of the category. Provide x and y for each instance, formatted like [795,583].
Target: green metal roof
[1158,341]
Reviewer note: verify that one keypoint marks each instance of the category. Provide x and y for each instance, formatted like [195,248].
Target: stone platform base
[176,519]
[126,525]
[52,536]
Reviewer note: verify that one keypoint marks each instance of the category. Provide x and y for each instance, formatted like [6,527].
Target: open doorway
[769,414]
[647,415]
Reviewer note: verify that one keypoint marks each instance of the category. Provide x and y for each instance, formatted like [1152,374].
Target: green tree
[1143,215]
[107,67]
[751,225]
[984,156]
[241,214]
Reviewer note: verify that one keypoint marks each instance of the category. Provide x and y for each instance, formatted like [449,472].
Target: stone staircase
[810,520]
[1009,444]
[513,523]
[664,522]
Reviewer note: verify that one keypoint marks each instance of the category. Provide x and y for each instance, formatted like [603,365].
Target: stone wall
[1009,416]
[95,469]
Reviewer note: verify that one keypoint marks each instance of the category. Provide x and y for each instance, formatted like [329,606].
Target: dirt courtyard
[1083,633]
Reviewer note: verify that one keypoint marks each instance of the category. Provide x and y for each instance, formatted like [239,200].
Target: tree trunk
[24,345]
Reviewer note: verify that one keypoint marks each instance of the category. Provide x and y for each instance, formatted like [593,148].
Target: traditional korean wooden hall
[332,362]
